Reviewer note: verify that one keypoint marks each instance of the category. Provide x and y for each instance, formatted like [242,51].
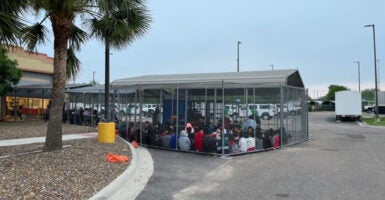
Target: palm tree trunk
[61,27]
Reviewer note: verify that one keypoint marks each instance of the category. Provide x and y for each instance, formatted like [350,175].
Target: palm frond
[77,37]
[14,6]
[73,65]
[10,22]
[35,34]
[121,22]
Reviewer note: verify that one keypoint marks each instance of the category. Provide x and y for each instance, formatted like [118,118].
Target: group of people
[235,139]
[81,116]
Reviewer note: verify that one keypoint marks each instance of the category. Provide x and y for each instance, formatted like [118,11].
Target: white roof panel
[289,77]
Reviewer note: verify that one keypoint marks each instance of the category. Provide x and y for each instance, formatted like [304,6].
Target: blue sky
[321,39]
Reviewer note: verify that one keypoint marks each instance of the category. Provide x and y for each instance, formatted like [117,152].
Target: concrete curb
[132,181]
[363,124]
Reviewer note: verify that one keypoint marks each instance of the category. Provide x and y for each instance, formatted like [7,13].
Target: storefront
[30,98]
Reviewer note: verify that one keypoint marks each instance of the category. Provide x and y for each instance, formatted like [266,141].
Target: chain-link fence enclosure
[218,116]
[217,113]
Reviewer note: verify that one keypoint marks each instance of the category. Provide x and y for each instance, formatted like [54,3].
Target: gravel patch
[77,172]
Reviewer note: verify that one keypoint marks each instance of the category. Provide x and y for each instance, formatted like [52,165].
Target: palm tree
[68,37]
[62,14]
[120,22]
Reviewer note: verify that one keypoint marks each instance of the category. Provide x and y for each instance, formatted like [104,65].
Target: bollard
[106,132]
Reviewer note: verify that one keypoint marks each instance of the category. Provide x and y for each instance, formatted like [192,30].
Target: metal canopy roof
[39,90]
[95,89]
[49,86]
[88,89]
[271,78]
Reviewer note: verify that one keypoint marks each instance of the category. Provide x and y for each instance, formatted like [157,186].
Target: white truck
[348,105]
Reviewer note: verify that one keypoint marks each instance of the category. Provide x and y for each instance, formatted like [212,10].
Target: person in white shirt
[242,143]
[251,139]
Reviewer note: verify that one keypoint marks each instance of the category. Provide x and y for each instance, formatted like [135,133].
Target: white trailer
[348,105]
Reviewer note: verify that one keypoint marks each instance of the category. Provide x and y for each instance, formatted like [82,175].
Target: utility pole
[93,77]
[375,69]
[378,75]
[359,78]
[238,43]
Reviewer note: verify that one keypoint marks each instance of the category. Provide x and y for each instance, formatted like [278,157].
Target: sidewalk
[126,186]
[21,141]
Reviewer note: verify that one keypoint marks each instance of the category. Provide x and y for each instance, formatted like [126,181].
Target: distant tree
[368,94]
[94,82]
[322,98]
[332,91]
[308,98]
[9,74]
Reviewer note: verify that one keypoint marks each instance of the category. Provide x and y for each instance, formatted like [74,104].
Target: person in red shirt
[198,138]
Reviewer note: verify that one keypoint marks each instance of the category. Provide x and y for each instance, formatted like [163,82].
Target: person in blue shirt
[250,122]
[173,139]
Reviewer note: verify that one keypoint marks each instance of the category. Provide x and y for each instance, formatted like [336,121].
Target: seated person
[190,132]
[234,137]
[198,139]
[258,139]
[130,133]
[266,137]
[217,133]
[174,140]
[276,139]
[242,143]
[223,143]
[164,139]
[148,133]
[184,141]
[285,136]
[250,122]
[209,142]
[87,117]
[251,139]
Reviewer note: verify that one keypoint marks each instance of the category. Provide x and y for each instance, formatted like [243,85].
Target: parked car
[264,111]
[294,108]
[242,111]
[368,109]
[132,110]
[148,109]
[290,108]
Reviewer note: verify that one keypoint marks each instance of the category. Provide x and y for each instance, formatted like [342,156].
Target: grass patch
[372,121]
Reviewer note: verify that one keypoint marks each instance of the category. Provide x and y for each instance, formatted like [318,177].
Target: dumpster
[106,132]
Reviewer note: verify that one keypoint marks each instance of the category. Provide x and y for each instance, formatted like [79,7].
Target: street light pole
[359,78]
[272,67]
[375,67]
[238,43]
[93,77]
[379,75]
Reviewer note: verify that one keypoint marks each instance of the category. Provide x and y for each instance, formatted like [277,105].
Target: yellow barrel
[106,132]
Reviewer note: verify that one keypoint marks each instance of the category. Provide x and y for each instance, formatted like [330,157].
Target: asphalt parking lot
[340,161]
